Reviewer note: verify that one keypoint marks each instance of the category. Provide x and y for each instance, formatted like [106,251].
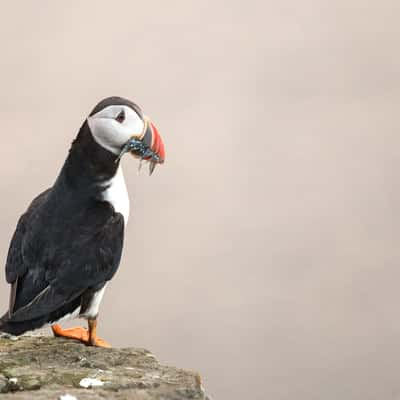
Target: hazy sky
[264,253]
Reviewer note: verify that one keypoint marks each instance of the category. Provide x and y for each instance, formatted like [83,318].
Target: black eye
[120,117]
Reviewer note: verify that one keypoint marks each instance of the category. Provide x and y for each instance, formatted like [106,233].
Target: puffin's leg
[93,339]
[82,334]
[77,333]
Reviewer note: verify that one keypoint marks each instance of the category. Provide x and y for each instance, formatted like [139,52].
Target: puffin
[68,244]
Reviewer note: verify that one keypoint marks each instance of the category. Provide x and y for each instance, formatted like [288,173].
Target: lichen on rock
[42,367]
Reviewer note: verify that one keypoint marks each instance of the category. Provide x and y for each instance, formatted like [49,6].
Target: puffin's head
[119,126]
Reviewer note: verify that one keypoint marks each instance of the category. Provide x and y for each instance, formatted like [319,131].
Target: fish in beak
[147,146]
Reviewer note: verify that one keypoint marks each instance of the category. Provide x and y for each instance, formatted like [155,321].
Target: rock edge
[42,367]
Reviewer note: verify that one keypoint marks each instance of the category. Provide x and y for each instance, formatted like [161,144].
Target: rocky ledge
[41,367]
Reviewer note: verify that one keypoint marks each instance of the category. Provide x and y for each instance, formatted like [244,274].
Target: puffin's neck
[88,164]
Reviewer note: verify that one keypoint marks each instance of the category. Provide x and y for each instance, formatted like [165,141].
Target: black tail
[16,328]
[7,325]
[4,325]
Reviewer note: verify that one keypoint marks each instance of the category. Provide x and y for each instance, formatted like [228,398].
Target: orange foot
[80,334]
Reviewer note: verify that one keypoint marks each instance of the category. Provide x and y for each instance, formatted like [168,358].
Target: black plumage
[68,243]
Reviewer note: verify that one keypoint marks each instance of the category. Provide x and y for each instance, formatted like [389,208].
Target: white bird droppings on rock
[67,397]
[90,382]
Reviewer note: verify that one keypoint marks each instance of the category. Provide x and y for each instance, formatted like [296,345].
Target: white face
[113,126]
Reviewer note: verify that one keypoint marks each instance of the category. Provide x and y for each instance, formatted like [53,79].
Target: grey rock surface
[42,367]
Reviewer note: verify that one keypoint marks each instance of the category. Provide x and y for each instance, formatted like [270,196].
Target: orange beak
[152,138]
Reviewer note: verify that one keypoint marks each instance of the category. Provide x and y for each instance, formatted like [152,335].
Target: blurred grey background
[264,254]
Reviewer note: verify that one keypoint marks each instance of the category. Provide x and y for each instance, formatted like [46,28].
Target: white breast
[117,194]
